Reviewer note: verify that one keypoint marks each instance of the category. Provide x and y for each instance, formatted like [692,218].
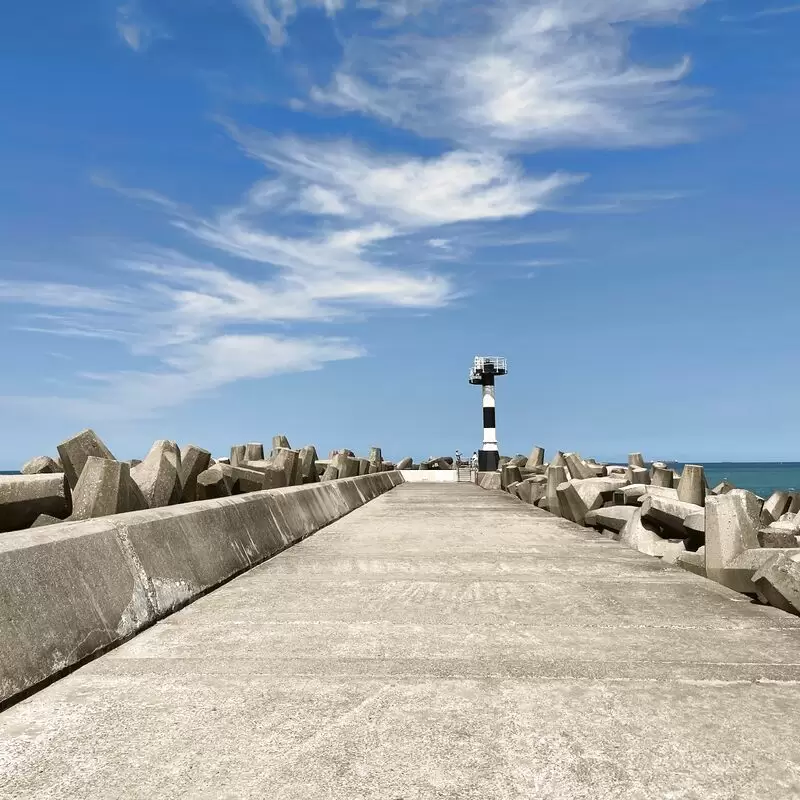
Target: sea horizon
[761,477]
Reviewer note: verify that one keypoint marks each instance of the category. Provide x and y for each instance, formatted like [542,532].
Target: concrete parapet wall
[72,590]
[430,476]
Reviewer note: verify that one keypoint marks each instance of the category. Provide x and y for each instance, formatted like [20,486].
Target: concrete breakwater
[72,590]
[748,543]
[86,481]
[94,549]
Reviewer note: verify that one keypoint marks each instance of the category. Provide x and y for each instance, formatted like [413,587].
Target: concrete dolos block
[211,484]
[536,458]
[237,454]
[532,490]
[194,461]
[555,477]
[158,476]
[635,460]
[254,451]
[732,522]
[280,442]
[24,497]
[509,474]
[577,497]
[635,494]
[346,465]
[668,513]
[74,589]
[639,534]
[661,477]
[614,518]
[375,459]
[775,506]
[40,465]
[288,461]
[255,476]
[692,485]
[330,474]
[778,582]
[308,464]
[104,488]
[73,453]
[577,467]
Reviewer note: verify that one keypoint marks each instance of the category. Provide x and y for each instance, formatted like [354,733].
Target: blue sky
[224,219]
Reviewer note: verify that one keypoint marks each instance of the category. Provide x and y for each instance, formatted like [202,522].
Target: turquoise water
[763,478]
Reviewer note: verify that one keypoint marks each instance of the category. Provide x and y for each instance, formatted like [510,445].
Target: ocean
[763,478]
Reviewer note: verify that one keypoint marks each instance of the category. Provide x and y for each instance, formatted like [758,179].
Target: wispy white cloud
[272,16]
[136,29]
[399,192]
[60,295]
[192,372]
[335,231]
[522,74]
[103,181]
[620,202]
[777,11]
[198,368]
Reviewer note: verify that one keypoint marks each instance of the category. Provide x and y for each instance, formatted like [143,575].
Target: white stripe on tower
[489,424]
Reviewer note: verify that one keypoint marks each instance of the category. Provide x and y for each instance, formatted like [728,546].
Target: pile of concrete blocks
[726,534]
[86,480]
[436,462]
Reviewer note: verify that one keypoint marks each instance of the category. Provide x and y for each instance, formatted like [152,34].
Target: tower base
[488,460]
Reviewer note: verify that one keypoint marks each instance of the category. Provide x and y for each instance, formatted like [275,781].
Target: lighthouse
[484,371]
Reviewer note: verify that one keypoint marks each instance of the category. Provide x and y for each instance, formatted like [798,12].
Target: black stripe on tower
[487,379]
[489,418]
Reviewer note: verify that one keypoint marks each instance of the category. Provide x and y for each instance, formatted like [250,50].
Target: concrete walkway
[441,642]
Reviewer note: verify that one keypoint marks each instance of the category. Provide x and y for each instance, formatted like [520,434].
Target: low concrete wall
[71,591]
[429,475]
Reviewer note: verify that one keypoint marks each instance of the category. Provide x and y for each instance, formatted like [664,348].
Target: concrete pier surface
[440,642]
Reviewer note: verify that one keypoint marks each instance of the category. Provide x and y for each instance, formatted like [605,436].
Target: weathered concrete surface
[55,610]
[24,497]
[105,487]
[53,576]
[74,451]
[489,480]
[40,465]
[194,461]
[211,484]
[441,642]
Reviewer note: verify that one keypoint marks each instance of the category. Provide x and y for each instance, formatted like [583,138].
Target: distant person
[458,459]
[474,460]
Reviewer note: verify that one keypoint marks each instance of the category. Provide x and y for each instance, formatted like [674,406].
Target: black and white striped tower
[484,371]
